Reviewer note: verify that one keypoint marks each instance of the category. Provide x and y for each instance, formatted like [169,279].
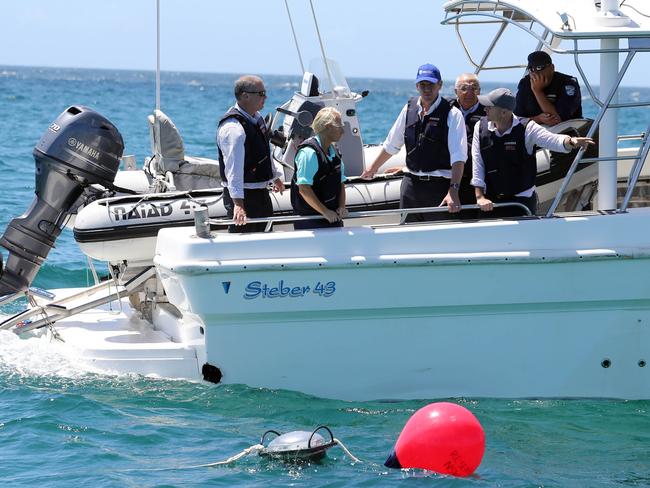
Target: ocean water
[63,424]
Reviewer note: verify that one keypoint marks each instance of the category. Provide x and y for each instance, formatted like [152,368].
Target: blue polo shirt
[307,164]
[563,92]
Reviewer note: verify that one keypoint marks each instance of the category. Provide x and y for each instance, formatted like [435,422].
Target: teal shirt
[307,164]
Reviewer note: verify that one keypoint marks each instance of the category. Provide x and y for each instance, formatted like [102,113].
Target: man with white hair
[503,153]
[467,89]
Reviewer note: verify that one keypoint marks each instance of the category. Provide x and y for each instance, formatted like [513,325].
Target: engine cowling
[80,148]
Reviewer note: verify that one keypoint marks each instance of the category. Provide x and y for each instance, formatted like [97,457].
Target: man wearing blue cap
[436,149]
[547,96]
[503,154]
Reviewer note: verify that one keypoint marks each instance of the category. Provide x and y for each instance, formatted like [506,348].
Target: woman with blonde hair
[317,187]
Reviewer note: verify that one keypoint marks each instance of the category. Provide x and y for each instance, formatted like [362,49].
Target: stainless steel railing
[202,221]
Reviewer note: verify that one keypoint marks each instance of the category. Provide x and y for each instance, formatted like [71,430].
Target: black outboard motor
[80,148]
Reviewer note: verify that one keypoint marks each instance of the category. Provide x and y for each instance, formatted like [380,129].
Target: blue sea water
[62,424]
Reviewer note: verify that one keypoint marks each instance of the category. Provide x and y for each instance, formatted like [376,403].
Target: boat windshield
[340,88]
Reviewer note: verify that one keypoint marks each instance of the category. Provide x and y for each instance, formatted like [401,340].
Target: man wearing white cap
[436,149]
[503,152]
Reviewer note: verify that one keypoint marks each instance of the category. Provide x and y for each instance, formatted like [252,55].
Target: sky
[377,39]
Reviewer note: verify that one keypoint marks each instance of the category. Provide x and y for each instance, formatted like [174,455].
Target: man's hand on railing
[331,216]
[278,186]
[239,214]
[485,204]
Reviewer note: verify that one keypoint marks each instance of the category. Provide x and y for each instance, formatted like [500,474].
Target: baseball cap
[428,72]
[501,97]
[538,58]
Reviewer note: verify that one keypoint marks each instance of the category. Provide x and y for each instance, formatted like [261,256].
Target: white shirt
[231,138]
[456,139]
[470,110]
[535,135]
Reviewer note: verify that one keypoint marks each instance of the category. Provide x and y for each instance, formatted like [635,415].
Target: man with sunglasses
[467,89]
[547,96]
[436,149]
[245,160]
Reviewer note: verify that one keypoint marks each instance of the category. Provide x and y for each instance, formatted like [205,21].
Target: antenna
[322,49]
[295,39]
[157,151]
[157,54]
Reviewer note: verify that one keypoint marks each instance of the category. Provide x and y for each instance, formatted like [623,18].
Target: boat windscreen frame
[463,12]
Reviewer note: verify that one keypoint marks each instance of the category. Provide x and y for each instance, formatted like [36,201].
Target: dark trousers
[315,223]
[467,196]
[529,202]
[419,192]
[257,204]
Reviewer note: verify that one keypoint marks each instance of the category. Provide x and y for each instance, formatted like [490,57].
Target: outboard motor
[80,148]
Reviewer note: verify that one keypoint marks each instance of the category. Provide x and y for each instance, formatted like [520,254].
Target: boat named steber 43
[424,311]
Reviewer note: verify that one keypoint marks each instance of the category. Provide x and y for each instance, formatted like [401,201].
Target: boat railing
[58,309]
[203,223]
[638,159]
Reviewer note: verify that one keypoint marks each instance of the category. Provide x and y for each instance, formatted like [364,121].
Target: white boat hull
[491,309]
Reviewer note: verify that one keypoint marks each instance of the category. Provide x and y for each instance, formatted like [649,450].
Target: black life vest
[257,159]
[426,140]
[471,119]
[327,181]
[509,169]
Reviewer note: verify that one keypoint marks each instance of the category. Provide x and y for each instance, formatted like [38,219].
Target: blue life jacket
[509,169]
[257,158]
[426,140]
[327,181]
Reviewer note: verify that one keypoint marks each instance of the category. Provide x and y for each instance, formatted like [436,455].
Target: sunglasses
[261,93]
[538,68]
[466,88]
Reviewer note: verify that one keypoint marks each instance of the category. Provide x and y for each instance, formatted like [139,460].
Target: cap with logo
[428,72]
[501,97]
[539,58]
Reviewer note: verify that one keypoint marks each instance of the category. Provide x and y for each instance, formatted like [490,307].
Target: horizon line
[238,74]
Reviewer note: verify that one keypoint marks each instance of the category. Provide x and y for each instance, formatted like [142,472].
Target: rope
[249,450]
[232,459]
[345,449]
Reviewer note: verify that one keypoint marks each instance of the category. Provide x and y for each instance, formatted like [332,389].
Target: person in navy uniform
[436,149]
[317,187]
[467,89]
[546,96]
[245,161]
[503,153]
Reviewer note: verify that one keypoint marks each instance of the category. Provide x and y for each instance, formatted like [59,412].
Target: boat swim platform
[115,338]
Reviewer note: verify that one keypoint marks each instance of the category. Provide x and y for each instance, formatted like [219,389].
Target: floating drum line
[295,446]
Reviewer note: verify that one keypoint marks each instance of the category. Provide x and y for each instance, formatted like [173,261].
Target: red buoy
[441,437]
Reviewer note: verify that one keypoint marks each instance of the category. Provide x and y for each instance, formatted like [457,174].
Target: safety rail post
[590,133]
[635,172]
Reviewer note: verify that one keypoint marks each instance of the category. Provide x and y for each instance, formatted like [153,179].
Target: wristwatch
[455,186]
